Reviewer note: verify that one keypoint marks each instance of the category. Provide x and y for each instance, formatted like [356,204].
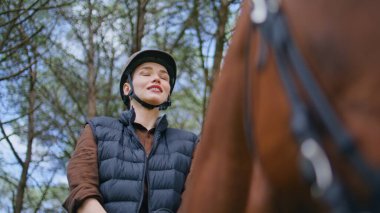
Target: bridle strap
[274,30]
[248,105]
[306,136]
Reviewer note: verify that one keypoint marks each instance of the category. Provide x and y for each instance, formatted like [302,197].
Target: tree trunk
[220,34]
[141,11]
[110,83]
[25,166]
[205,69]
[220,39]
[90,66]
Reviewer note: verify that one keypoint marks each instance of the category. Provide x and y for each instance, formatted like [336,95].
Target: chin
[154,102]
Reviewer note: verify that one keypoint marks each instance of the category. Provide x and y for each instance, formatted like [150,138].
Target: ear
[126,88]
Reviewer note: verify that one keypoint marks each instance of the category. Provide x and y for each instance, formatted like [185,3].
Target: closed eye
[166,78]
[145,73]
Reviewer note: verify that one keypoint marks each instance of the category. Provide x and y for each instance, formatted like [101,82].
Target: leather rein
[267,17]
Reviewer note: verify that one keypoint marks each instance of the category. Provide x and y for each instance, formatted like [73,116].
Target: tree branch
[19,15]
[22,43]
[11,145]
[187,23]
[44,193]
[18,72]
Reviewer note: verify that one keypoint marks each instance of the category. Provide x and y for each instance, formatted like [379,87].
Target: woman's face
[150,83]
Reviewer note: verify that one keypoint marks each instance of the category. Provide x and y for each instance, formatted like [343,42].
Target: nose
[156,78]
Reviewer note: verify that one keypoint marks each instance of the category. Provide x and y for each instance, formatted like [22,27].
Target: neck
[144,116]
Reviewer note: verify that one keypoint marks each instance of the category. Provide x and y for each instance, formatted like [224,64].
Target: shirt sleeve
[82,172]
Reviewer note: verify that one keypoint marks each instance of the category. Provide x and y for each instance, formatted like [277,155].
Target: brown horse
[250,106]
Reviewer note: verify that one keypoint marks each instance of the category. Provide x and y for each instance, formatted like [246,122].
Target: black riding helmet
[138,58]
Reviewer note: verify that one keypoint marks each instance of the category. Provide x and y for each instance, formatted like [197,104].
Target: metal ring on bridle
[312,151]
[260,11]
[261,8]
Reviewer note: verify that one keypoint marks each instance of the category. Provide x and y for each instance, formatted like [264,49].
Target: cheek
[167,87]
[139,82]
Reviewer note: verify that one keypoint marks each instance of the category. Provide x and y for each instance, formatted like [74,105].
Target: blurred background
[60,63]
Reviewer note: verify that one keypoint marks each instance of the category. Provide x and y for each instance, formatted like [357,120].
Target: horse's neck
[341,43]
[342,35]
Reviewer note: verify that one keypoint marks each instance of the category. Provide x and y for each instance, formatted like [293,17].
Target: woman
[135,163]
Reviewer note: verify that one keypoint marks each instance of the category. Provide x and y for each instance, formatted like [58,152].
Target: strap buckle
[261,8]
[313,152]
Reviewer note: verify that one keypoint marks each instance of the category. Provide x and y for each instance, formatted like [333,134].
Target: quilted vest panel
[123,164]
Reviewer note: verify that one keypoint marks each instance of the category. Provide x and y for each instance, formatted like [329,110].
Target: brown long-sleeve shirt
[82,169]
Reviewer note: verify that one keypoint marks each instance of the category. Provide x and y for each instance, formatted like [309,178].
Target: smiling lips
[155,88]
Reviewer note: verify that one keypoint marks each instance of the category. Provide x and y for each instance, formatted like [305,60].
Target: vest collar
[128,117]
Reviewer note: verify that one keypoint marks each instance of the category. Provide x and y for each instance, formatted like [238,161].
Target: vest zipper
[143,183]
[155,142]
[147,182]
[144,171]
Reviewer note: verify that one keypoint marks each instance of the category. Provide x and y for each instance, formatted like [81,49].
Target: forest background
[60,64]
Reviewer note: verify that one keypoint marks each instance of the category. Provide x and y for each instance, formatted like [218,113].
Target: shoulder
[104,122]
[105,128]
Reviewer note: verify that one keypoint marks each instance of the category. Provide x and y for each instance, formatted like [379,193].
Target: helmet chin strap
[132,94]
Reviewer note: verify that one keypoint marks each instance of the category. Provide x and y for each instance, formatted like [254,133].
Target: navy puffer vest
[123,164]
